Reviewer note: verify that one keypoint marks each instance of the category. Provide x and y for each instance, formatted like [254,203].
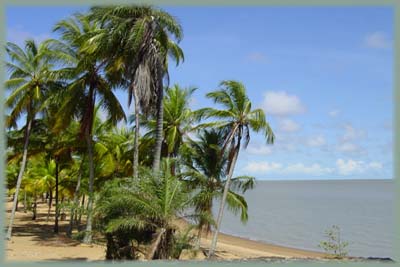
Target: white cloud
[257,57]
[334,113]
[261,150]
[377,40]
[316,141]
[258,167]
[350,166]
[18,35]
[314,169]
[351,133]
[288,125]
[342,167]
[278,168]
[281,103]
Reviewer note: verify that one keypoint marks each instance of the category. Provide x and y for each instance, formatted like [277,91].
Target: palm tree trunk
[159,128]
[50,201]
[136,138]
[223,200]
[20,174]
[25,201]
[34,207]
[76,200]
[79,218]
[88,233]
[155,244]
[57,208]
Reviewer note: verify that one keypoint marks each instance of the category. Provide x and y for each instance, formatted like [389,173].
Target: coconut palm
[45,173]
[237,118]
[88,86]
[137,41]
[178,119]
[118,141]
[204,174]
[30,82]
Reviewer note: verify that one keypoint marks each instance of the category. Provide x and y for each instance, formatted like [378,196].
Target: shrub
[334,245]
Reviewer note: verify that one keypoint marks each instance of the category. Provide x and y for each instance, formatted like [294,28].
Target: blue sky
[324,76]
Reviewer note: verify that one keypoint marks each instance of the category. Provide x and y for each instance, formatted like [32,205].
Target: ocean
[297,213]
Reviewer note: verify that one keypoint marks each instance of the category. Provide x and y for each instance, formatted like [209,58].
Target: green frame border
[395,4]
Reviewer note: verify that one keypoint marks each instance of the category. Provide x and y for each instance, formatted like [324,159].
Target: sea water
[297,213]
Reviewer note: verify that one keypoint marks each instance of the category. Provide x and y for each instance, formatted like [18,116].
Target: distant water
[296,214]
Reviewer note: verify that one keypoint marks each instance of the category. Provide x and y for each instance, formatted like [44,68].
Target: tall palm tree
[137,41]
[88,86]
[205,172]
[31,81]
[237,118]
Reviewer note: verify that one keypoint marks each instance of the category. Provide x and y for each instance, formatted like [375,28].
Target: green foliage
[136,209]
[204,173]
[78,235]
[31,80]
[334,245]
[183,240]
[178,119]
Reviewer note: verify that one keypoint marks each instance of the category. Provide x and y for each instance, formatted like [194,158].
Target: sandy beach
[35,241]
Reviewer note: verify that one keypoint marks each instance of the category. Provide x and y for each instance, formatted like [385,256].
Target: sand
[36,241]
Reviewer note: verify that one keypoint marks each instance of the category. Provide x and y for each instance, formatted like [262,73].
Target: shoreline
[241,247]
[286,251]
[35,241]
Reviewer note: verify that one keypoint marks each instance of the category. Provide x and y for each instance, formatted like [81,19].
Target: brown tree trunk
[75,201]
[20,174]
[57,207]
[50,201]
[223,200]
[160,121]
[34,210]
[79,219]
[155,244]
[136,138]
[25,202]
[88,233]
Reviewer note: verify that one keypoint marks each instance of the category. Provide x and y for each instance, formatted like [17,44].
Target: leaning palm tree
[88,86]
[237,119]
[31,81]
[205,172]
[137,41]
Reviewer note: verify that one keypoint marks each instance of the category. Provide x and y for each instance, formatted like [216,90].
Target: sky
[323,75]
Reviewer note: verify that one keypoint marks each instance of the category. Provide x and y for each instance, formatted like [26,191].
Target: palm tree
[31,81]
[178,119]
[205,170]
[137,209]
[237,119]
[118,142]
[137,41]
[87,85]
[45,173]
